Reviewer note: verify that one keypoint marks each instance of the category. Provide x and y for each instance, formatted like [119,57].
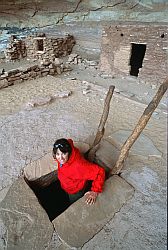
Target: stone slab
[107,153]
[26,222]
[143,145]
[40,167]
[80,222]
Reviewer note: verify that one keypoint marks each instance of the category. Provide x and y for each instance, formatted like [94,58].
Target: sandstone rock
[45,62]
[143,146]
[13,78]
[2,71]
[37,102]
[3,83]
[62,94]
[92,63]
[59,70]
[44,73]
[26,222]
[87,220]
[52,71]
[57,61]
[105,76]
[107,153]
[40,167]
[5,74]
[13,72]
[86,91]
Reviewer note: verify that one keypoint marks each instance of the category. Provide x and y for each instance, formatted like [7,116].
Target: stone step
[80,222]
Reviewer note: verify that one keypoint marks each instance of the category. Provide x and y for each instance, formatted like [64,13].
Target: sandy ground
[28,133]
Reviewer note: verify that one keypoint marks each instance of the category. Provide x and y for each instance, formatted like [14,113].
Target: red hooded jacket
[74,174]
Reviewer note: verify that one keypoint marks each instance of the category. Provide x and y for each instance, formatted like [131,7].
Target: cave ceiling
[38,13]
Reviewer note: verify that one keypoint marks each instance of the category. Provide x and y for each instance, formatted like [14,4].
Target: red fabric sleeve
[91,171]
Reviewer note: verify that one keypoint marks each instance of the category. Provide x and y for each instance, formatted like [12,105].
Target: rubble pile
[75,59]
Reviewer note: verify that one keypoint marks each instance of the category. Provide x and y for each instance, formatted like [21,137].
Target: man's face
[61,157]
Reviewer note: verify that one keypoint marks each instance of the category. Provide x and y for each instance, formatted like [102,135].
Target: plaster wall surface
[116,50]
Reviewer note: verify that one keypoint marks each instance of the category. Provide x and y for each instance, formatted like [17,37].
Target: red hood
[75,152]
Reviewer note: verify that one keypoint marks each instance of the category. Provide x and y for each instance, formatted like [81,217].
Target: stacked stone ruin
[45,51]
[39,47]
[16,49]
[22,74]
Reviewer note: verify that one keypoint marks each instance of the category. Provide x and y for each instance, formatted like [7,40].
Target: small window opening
[40,45]
[162,35]
[136,59]
[121,34]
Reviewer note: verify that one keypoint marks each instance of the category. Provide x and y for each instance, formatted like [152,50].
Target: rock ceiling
[38,13]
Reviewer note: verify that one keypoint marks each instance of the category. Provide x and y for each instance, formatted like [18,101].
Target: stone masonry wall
[117,44]
[39,47]
[16,49]
[22,74]
[50,47]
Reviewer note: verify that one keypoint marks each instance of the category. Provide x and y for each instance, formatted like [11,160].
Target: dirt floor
[28,132]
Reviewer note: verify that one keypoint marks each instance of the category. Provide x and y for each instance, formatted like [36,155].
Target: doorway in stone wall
[40,45]
[136,58]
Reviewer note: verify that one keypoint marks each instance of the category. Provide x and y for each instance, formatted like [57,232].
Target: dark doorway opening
[136,59]
[40,46]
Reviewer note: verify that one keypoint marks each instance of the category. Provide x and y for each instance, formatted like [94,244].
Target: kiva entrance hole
[50,195]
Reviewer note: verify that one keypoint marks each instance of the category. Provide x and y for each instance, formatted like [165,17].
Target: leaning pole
[139,128]
[90,154]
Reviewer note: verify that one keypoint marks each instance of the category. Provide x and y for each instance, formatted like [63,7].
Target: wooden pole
[90,154]
[139,128]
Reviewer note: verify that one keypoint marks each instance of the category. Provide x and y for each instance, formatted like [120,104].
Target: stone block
[45,70]
[59,70]
[52,71]
[44,73]
[148,149]
[34,67]
[13,78]
[24,76]
[3,84]
[33,74]
[11,83]
[80,222]
[40,167]
[107,153]
[62,94]
[27,224]
[13,72]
